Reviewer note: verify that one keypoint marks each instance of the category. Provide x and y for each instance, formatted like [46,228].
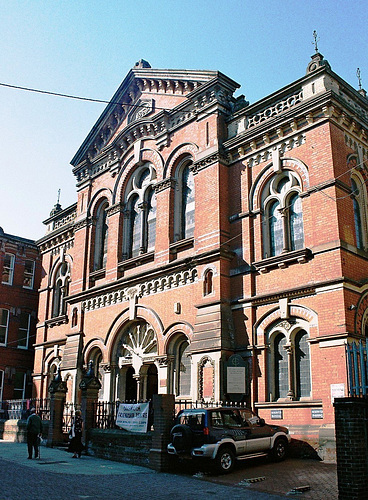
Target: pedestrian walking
[76,446]
[34,431]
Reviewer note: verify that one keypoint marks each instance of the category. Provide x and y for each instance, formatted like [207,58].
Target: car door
[259,437]
[235,429]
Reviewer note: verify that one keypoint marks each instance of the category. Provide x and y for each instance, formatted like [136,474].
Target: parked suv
[224,434]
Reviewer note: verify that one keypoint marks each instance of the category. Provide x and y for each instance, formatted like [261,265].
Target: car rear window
[193,420]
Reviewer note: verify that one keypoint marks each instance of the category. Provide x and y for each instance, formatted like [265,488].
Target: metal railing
[19,409]
[68,416]
[357,361]
[105,412]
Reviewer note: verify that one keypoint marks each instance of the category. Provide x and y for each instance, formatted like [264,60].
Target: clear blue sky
[86,47]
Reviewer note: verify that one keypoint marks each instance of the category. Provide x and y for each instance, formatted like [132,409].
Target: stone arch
[275,314]
[180,327]
[121,321]
[101,194]
[299,167]
[55,267]
[147,156]
[186,149]
[93,344]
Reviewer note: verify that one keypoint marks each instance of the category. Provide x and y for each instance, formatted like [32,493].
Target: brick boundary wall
[351,428]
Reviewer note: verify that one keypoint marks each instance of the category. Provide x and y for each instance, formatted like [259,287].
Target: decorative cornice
[146,288]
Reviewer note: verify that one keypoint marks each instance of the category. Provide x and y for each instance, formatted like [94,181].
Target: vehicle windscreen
[194,420]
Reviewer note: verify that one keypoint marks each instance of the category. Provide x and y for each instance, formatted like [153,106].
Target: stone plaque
[236,379]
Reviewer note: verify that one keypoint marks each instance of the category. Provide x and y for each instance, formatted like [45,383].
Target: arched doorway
[136,351]
[152,381]
[130,385]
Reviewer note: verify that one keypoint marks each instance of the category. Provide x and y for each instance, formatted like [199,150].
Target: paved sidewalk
[57,476]
[61,462]
[284,478]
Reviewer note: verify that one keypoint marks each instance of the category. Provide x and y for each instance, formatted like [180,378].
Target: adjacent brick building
[217,249]
[20,271]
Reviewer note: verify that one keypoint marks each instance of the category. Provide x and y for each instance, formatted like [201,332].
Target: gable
[144,93]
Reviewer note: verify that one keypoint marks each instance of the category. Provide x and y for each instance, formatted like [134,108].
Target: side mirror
[262,422]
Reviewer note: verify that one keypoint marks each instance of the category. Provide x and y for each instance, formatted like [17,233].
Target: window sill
[283,260]
[136,261]
[181,245]
[59,320]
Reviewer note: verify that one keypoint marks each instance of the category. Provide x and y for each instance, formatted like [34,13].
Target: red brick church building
[217,249]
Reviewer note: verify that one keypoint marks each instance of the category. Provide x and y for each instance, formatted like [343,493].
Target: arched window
[281,367]
[101,236]
[359,196]
[296,222]
[282,222]
[208,283]
[184,216]
[140,228]
[188,203]
[151,220]
[180,366]
[274,222]
[302,365]
[60,290]
[289,370]
[135,227]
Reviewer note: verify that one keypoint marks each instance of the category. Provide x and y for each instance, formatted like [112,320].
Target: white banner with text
[133,417]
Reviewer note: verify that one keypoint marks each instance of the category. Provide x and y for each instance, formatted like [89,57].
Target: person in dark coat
[76,445]
[34,430]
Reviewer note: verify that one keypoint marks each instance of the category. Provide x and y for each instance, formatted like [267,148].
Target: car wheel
[181,437]
[279,450]
[225,460]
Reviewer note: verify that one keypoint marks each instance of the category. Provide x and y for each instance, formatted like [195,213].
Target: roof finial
[358,74]
[58,198]
[316,40]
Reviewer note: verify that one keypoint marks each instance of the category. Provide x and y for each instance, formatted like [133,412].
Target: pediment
[144,92]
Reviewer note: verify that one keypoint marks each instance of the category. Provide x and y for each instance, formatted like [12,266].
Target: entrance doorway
[152,381]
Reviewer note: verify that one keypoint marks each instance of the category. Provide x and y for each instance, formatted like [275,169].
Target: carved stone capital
[169,183]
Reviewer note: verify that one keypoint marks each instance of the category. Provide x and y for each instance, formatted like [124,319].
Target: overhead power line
[79,98]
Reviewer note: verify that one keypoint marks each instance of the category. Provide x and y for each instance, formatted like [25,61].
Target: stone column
[57,391]
[290,351]
[90,386]
[163,418]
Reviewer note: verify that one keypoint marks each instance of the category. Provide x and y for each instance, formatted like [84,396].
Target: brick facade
[256,252]
[20,271]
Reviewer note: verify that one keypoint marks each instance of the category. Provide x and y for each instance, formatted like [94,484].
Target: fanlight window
[137,344]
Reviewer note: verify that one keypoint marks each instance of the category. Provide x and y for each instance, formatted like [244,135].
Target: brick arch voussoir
[296,311]
[189,149]
[177,328]
[95,344]
[287,163]
[121,321]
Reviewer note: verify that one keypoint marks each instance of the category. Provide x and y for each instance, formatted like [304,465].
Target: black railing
[105,412]
[19,409]
[357,361]
[68,415]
